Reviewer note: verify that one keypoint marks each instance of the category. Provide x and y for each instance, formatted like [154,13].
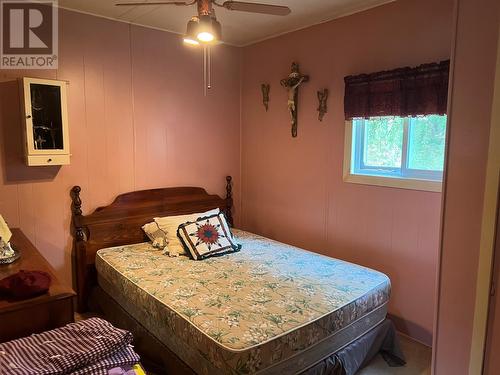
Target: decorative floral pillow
[207,236]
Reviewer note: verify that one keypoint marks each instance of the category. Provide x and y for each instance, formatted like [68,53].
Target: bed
[270,308]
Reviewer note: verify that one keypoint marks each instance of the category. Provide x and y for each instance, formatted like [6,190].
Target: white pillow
[169,224]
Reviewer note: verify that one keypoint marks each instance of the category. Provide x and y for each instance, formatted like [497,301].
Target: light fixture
[192,32]
[206,31]
[203,29]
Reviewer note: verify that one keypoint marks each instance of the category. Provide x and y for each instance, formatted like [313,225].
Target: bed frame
[120,224]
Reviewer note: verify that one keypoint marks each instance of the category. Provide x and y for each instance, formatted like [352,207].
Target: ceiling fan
[204,28]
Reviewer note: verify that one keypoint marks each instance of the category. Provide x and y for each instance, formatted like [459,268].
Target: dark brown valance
[400,92]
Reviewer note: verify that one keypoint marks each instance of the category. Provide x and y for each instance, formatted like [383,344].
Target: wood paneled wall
[292,187]
[138,119]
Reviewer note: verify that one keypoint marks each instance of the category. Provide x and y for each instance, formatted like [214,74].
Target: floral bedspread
[266,302]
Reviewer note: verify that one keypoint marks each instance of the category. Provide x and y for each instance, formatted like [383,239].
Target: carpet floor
[418,361]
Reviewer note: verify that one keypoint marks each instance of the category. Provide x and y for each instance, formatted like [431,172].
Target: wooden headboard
[120,224]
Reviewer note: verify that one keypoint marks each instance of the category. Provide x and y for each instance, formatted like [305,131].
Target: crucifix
[292,83]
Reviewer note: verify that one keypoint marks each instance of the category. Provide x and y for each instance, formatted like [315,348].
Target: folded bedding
[122,358]
[91,346]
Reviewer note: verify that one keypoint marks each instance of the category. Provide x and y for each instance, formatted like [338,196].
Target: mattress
[270,308]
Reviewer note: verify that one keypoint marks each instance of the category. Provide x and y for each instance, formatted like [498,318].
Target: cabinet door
[46,130]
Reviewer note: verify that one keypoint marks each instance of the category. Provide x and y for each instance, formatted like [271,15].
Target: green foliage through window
[426,143]
[399,146]
[383,142]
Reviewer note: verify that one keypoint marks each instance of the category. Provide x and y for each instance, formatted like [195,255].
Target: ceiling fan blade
[154,3]
[275,10]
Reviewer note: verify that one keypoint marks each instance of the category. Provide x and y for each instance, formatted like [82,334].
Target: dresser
[38,314]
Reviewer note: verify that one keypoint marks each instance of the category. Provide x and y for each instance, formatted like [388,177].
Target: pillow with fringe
[207,237]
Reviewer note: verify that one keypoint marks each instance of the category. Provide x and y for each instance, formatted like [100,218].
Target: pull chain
[207,69]
[209,85]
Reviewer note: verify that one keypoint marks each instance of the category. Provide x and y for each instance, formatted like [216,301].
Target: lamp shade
[192,26]
[192,31]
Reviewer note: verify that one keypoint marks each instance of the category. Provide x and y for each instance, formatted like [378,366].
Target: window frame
[355,171]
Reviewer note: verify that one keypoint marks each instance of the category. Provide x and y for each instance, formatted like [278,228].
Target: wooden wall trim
[488,230]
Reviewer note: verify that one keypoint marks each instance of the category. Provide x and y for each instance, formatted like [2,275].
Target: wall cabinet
[44,109]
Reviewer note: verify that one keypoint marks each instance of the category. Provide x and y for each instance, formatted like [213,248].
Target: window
[406,152]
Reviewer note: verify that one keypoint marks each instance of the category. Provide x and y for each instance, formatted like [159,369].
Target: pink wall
[138,119]
[471,106]
[292,188]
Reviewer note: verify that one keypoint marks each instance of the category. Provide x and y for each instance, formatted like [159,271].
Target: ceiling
[238,28]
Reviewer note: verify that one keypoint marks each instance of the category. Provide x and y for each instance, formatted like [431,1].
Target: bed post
[229,200]
[79,254]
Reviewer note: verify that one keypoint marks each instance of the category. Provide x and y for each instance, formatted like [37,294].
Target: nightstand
[51,310]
